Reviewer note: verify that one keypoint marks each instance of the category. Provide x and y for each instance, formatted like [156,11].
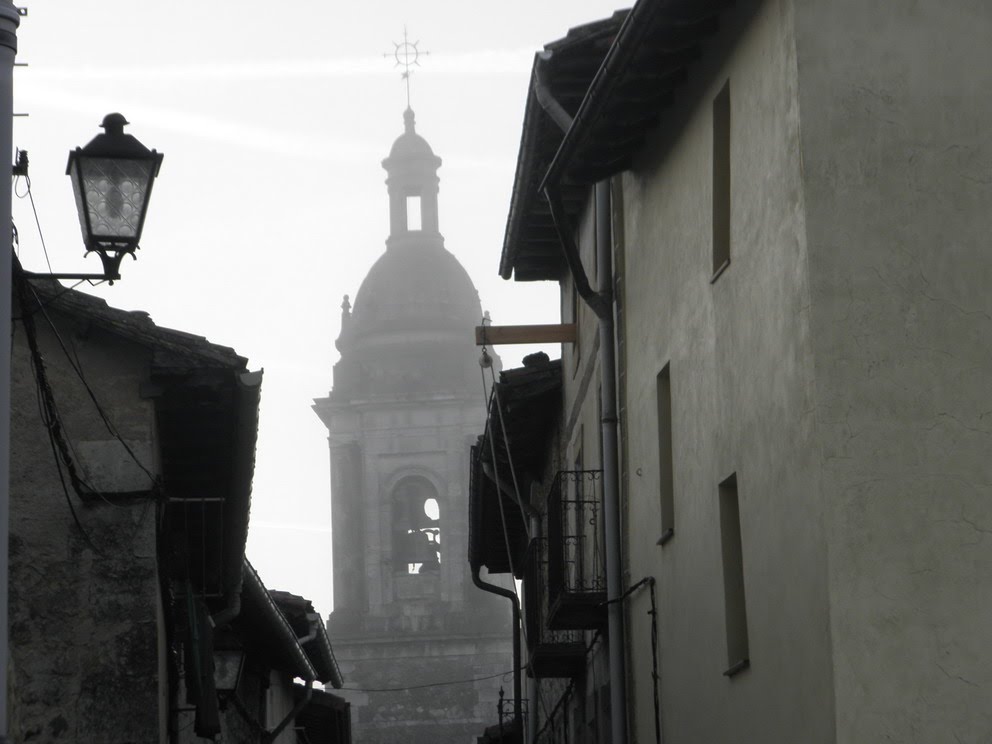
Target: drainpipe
[601,303]
[551,107]
[510,595]
[611,469]
[534,685]
[9,20]
[231,609]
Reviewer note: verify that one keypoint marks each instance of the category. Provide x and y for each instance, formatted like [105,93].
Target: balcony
[576,559]
[553,653]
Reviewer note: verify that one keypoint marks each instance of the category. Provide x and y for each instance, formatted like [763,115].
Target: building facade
[407,402]
[789,196]
[132,457]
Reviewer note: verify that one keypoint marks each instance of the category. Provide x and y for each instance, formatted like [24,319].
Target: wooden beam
[525,334]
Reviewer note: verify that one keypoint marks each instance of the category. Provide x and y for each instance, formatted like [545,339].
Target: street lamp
[112,181]
[228,663]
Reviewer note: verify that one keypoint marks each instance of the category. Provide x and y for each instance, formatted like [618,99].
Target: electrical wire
[509,454]
[65,290]
[34,209]
[487,434]
[430,684]
[89,390]
[62,449]
[56,438]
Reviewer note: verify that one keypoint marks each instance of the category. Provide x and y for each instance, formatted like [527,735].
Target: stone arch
[415,503]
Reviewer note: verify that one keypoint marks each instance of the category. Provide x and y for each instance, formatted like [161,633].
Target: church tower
[407,402]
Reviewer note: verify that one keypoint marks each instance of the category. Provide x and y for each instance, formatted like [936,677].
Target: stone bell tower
[407,402]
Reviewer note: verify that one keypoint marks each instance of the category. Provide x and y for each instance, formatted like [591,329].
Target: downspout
[611,469]
[291,716]
[551,107]
[510,595]
[601,303]
[231,609]
[534,683]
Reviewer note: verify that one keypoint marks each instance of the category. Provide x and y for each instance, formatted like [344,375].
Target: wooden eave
[647,63]
[573,63]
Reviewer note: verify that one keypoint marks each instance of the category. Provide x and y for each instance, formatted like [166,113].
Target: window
[738,655]
[666,479]
[413,213]
[416,527]
[721,181]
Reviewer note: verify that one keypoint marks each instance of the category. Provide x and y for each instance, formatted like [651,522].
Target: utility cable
[509,454]
[89,390]
[41,236]
[430,684]
[655,676]
[56,437]
[62,449]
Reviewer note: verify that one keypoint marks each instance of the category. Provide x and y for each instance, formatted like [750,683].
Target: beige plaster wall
[742,388]
[895,109]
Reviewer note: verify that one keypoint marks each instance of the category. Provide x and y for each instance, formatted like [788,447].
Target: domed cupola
[413,186]
[411,329]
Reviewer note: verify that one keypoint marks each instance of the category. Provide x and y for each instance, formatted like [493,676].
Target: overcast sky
[271,203]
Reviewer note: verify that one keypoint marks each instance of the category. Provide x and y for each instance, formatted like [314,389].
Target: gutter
[330,672]
[627,39]
[278,626]
[249,391]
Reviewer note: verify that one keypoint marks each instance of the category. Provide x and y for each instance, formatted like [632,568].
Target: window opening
[666,479]
[738,654]
[721,181]
[417,531]
[413,213]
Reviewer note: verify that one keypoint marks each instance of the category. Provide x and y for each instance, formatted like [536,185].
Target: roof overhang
[527,401]
[647,62]
[269,631]
[309,628]
[564,68]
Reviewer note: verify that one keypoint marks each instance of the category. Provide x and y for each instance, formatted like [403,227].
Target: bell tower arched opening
[416,526]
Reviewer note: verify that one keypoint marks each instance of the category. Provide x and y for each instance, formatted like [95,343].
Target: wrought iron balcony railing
[576,559]
[552,653]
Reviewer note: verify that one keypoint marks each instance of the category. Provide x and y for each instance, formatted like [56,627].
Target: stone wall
[84,598]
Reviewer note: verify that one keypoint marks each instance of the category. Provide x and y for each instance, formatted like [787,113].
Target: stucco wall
[897,152]
[742,393]
[84,608]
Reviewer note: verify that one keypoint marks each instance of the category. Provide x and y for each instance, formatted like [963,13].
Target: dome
[411,145]
[410,332]
[424,289]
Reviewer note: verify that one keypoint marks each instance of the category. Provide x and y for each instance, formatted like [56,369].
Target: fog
[271,203]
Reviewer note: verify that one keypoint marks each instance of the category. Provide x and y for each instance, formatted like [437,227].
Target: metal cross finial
[407,55]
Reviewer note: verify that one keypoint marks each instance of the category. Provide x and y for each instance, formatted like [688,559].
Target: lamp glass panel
[227,669]
[78,195]
[115,192]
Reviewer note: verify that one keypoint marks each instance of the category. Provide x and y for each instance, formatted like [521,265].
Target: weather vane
[407,55]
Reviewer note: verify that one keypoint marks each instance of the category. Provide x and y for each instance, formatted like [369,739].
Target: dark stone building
[407,403]
[134,614]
